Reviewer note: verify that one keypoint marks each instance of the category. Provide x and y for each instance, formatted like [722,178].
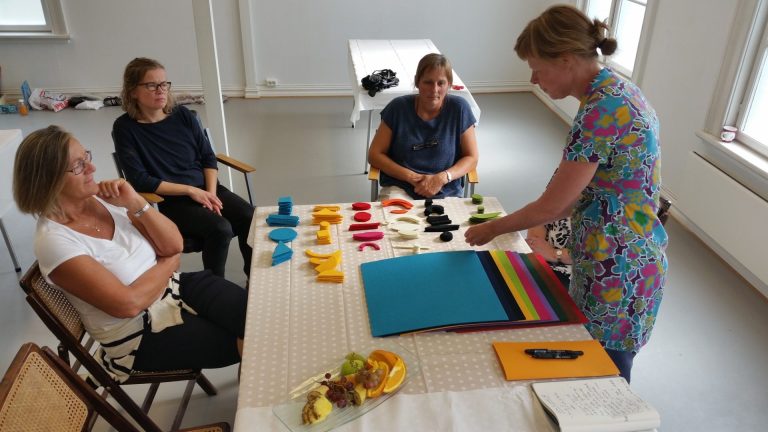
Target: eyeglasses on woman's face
[153,86]
[79,165]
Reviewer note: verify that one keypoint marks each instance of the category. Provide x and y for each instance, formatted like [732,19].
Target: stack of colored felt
[483,217]
[476,290]
[281,254]
[324,233]
[328,214]
[326,265]
[283,216]
[284,205]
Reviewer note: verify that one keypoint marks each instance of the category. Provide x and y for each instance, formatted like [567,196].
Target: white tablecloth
[400,55]
[296,327]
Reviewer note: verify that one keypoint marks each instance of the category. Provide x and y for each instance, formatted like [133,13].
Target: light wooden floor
[704,368]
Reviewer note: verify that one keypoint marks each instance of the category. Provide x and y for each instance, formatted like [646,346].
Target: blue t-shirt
[426,147]
[174,149]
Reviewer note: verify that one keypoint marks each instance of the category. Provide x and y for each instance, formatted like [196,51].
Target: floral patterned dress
[618,242]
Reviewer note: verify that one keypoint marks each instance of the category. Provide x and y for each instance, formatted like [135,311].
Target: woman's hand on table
[430,184]
[542,247]
[479,235]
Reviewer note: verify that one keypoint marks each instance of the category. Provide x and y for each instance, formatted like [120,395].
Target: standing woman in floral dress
[608,181]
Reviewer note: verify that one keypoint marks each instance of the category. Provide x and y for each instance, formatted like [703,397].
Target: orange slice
[395,378]
[397,369]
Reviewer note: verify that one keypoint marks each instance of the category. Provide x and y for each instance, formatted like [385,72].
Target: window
[625,19]
[32,18]
[741,95]
[751,119]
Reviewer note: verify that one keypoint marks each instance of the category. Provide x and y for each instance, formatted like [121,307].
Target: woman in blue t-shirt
[426,142]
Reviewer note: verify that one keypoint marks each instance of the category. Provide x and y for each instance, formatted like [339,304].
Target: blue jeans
[623,361]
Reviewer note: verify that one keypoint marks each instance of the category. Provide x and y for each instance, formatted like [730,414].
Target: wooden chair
[193,244]
[468,181]
[40,392]
[58,314]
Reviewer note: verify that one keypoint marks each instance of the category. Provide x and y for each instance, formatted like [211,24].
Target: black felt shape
[434,209]
[441,228]
[446,236]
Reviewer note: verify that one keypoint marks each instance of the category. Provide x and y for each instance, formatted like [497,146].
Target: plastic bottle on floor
[23,110]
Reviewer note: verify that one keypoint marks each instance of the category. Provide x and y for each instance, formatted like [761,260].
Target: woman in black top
[163,149]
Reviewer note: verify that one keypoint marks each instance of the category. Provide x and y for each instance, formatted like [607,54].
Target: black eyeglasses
[153,86]
[79,165]
[432,142]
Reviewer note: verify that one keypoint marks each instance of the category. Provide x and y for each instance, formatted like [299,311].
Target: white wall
[302,44]
[106,34]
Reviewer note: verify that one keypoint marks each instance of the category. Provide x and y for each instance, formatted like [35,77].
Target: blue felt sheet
[430,290]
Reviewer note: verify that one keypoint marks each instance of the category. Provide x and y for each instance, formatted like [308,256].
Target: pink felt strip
[368,236]
[368,244]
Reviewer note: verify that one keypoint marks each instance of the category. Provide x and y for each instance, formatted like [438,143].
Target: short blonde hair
[433,61]
[42,161]
[134,73]
[564,29]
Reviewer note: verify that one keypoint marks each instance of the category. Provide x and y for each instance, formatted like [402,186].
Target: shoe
[112,101]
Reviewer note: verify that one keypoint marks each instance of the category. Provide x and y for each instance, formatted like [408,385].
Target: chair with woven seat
[468,181]
[40,392]
[58,314]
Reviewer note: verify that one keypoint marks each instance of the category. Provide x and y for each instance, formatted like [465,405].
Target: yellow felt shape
[328,264]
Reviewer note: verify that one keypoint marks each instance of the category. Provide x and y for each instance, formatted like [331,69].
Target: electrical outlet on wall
[271,82]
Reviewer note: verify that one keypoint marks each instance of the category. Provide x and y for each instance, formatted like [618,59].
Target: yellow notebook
[518,365]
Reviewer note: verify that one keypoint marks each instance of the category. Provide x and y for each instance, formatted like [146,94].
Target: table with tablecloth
[296,326]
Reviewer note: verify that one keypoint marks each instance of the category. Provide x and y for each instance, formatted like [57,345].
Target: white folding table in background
[401,56]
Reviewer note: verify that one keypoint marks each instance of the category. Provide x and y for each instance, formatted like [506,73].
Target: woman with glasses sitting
[426,142]
[163,149]
[116,259]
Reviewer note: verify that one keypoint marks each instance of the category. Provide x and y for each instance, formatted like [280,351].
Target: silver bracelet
[142,211]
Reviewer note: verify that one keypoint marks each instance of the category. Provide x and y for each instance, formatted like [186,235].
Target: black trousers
[215,232]
[205,340]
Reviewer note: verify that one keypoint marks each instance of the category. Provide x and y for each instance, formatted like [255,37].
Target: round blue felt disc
[282,234]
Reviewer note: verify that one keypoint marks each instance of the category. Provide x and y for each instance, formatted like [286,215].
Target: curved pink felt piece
[368,244]
[368,236]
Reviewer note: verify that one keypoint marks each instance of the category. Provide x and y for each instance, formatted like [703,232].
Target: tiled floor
[704,368]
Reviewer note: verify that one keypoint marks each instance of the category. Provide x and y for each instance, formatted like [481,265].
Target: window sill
[19,36]
[745,156]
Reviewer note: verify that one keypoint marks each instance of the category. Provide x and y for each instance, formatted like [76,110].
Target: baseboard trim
[259,91]
[564,116]
[749,278]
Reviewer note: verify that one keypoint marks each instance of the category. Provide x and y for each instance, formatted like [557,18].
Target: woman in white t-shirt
[116,259]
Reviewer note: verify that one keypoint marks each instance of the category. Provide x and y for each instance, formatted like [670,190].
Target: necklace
[94,227]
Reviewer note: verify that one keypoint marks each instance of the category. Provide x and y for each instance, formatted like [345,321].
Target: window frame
[55,26]
[642,45]
[737,80]
[758,62]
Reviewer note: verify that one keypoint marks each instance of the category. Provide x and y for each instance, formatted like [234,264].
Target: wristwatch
[141,211]
[448,176]
[559,255]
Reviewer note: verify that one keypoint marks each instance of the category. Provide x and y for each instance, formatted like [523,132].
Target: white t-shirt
[128,255]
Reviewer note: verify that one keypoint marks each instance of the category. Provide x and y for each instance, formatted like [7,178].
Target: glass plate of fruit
[356,384]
